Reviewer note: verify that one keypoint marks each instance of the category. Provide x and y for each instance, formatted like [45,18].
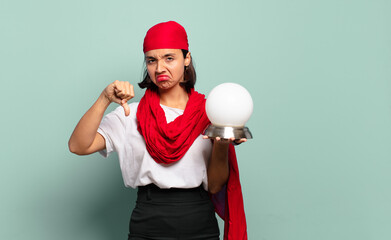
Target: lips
[162,78]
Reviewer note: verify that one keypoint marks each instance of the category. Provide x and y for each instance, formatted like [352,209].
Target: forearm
[218,167]
[85,131]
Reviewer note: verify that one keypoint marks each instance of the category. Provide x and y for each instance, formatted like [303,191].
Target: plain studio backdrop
[318,168]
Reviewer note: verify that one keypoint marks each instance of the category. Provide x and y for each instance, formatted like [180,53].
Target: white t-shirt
[137,166]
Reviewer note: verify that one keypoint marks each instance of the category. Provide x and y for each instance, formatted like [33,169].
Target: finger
[119,85]
[117,91]
[118,88]
[239,141]
[122,94]
[125,105]
[127,88]
[218,138]
[131,91]
[205,137]
[116,85]
[116,100]
[123,88]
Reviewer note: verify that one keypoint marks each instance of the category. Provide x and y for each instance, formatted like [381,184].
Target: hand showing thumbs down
[120,92]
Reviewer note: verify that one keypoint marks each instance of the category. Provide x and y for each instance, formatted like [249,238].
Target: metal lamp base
[228,132]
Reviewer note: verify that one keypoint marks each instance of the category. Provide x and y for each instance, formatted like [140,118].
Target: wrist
[221,144]
[103,101]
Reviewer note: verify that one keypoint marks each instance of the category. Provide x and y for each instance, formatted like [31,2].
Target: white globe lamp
[229,106]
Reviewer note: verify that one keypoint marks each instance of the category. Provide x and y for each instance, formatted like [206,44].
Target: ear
[187,59]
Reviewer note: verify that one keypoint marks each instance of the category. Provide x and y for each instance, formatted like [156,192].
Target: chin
[164,85]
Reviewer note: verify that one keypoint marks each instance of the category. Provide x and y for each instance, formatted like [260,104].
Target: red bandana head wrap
[169,35]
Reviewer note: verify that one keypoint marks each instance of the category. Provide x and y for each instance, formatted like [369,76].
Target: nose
[160,66]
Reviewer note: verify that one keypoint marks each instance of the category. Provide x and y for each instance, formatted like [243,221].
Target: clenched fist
[120,92]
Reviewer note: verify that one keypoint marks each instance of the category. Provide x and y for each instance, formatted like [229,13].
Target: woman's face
[166,67]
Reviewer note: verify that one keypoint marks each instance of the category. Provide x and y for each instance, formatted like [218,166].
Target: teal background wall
[318,168]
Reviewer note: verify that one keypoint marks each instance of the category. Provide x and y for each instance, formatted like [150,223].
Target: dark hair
[189,77]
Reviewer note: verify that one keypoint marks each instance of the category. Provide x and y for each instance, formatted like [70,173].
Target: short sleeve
[113,128]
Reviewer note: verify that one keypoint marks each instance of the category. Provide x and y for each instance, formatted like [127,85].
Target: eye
[170,58]
[149,61]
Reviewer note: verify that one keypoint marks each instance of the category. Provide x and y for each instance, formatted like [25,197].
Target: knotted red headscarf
[166,35]
[168,142]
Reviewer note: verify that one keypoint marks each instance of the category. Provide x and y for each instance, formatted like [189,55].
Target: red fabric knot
[170,35]
[168,142]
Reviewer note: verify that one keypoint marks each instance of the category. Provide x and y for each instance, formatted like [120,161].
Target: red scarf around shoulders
[168,143]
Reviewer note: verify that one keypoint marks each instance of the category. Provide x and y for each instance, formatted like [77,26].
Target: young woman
[160,146]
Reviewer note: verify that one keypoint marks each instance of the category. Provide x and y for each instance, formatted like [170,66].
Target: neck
[175,98]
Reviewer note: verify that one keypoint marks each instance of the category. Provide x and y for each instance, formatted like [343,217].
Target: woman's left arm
[218,167]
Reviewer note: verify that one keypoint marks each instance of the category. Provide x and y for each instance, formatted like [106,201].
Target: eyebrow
[165,55]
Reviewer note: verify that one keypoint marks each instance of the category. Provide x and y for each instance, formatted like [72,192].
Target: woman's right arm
[85,139]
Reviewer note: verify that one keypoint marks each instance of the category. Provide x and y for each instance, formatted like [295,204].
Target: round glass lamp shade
[229,105]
